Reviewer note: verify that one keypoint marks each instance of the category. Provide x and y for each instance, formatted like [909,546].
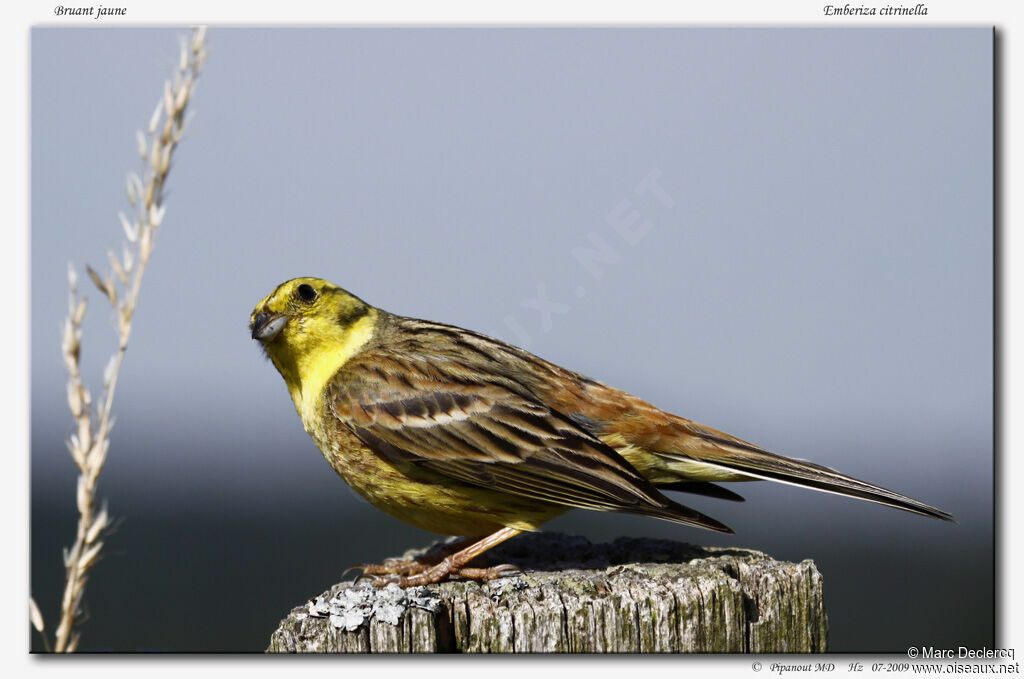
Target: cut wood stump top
[633,595]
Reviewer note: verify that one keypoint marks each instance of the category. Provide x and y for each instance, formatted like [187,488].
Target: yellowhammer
[461,434]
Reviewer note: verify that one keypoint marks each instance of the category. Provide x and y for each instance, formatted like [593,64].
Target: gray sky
[828,249]
[810,271]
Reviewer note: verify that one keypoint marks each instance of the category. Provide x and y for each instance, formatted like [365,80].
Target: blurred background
[782,233]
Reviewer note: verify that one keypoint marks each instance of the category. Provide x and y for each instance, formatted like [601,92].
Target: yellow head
[309,329]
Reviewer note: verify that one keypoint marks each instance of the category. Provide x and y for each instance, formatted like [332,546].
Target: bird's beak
[266,326]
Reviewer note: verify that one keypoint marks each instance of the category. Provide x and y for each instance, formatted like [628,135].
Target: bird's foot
[452,559]
[443,571]
[397,566]
[393,567]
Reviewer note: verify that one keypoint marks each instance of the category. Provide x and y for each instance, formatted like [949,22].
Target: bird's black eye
[307,293]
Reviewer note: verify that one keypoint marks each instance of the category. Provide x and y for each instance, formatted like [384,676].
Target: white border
[14,41]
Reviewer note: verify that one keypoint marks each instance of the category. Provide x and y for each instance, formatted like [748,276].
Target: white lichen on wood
[349,608]
[632,596]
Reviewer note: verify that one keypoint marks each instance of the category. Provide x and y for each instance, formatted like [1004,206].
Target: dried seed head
[108,372]
[156,215]
[145,244]
[154,154]
[89,558]
[76,454]
[79,315]
[129,190]
[129,259]
[84,425]
[124,320]
[74,400]
[168,99]
[67,337]
[82,496]
[140,141]
[72,278]
[131,232]
[167,134]
[98,453]
[165,159]
[154,119]
[97,281]
[35,615]
[183,94]
[183,54]
[115,264]
[111,290]
[98,524]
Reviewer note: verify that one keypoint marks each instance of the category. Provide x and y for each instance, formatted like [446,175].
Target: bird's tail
[723,457]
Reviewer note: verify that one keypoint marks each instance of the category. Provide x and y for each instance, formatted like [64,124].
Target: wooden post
[628,596]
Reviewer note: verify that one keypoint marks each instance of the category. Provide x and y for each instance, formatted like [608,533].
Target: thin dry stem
[90,442]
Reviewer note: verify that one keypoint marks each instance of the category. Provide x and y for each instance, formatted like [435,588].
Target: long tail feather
[738,456]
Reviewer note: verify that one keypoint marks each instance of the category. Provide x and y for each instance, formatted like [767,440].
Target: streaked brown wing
[484,433]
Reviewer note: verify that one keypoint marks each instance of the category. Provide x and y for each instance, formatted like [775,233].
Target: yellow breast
[323,349]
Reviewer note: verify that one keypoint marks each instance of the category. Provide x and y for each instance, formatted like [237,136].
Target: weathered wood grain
[628,596]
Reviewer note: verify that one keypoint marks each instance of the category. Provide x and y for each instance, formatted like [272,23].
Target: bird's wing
[481,430]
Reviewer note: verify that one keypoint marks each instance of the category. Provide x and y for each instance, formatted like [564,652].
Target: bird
[462,434]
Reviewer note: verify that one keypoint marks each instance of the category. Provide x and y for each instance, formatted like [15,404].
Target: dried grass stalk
[120,286]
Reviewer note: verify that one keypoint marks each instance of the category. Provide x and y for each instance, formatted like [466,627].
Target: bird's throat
[317,353]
